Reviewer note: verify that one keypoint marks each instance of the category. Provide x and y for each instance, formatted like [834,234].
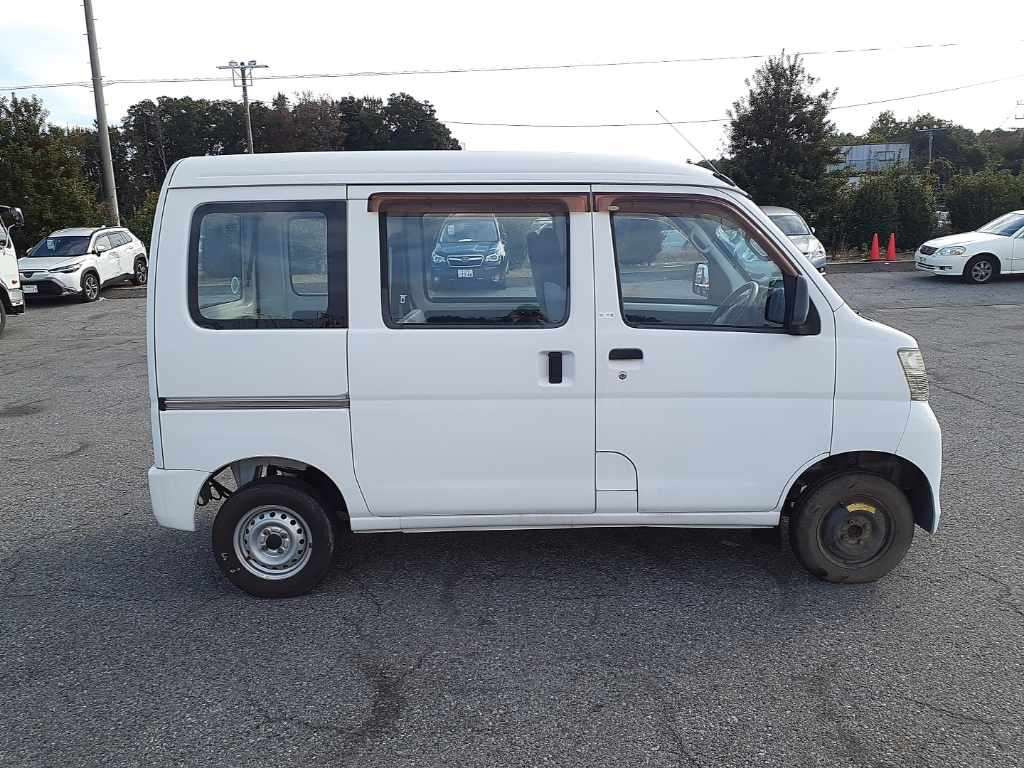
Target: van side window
[477,269]
[268,265]
[702,268]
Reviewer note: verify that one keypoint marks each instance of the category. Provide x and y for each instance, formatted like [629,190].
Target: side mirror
[101,249]
[789,305]
[3,238]
[813,231]
[701,280]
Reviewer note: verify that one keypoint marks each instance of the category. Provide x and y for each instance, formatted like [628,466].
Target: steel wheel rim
[982,271]
[272,542]
[856,533]
[140,272]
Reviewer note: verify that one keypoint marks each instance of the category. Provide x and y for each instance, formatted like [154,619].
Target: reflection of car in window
[469,247]
[794,227]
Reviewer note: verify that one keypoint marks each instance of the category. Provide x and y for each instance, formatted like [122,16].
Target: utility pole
[931,141]
[243,70]
[106,161]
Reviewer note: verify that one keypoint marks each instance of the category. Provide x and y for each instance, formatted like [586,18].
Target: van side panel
[154,250]
[204,362]
[208,440]
[220,367]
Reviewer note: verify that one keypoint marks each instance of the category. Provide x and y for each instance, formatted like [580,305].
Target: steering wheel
[737,301]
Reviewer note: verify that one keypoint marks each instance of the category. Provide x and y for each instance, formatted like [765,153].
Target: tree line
[54,173]
[783,148]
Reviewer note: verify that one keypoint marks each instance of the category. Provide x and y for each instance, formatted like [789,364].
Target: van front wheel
[852,528]
[273,538]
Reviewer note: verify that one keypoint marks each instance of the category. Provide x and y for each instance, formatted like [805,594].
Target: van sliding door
[471,351]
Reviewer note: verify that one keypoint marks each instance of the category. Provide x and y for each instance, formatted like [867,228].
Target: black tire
[140,272]
[981,270]
[3,317]
[852,528]
[90,287]
[260,511]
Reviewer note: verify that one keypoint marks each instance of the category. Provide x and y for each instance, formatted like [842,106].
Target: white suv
[82,260]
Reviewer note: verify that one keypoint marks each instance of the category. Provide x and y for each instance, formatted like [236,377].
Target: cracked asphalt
[121,645]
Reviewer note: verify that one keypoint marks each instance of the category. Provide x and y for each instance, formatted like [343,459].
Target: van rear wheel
[273,538]
[852,528]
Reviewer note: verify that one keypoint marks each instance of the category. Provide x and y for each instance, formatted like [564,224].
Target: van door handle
[554,367]
[626,353]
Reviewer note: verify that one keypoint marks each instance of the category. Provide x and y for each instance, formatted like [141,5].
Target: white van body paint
[442,428]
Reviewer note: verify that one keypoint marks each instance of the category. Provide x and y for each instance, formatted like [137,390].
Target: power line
[495,69]
[703,121]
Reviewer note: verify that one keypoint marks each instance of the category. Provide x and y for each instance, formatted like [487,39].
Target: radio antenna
[675,128]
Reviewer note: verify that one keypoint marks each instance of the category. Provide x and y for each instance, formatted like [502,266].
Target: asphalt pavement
[121,645]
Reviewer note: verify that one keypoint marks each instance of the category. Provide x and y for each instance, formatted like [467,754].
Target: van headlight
[952,250]
[913,368]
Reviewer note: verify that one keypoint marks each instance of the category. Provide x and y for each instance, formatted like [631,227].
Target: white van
[297,342]
[12,301]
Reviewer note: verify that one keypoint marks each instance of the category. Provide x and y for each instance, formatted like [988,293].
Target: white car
[795,228]
[980,256]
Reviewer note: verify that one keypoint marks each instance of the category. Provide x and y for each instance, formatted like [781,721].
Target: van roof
[432,167]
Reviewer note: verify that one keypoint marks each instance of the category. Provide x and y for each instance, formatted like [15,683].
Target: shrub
[872,209]
[981,197]
[915,209]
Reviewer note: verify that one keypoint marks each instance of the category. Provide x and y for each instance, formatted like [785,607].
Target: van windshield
[470,231]
[69,245]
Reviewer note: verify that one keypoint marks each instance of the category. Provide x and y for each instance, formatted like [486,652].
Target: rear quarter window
[268,265]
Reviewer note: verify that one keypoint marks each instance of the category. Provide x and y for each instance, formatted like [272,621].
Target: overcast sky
[43,41]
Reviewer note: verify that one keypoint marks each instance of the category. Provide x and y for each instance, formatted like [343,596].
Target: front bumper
[442,273]
[54,283]
[921,445]
[940,265]
[16,301]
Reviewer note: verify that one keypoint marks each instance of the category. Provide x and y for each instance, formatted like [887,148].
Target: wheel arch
[903,473]
[247,470]
[994,256]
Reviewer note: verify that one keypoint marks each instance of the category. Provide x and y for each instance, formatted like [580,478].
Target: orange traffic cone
[890,252]
[874,248]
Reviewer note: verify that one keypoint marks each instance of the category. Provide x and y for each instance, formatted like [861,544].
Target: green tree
[976,199]
[141,221]
[781,141]
[915,207]
[41,171]
[872,209]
